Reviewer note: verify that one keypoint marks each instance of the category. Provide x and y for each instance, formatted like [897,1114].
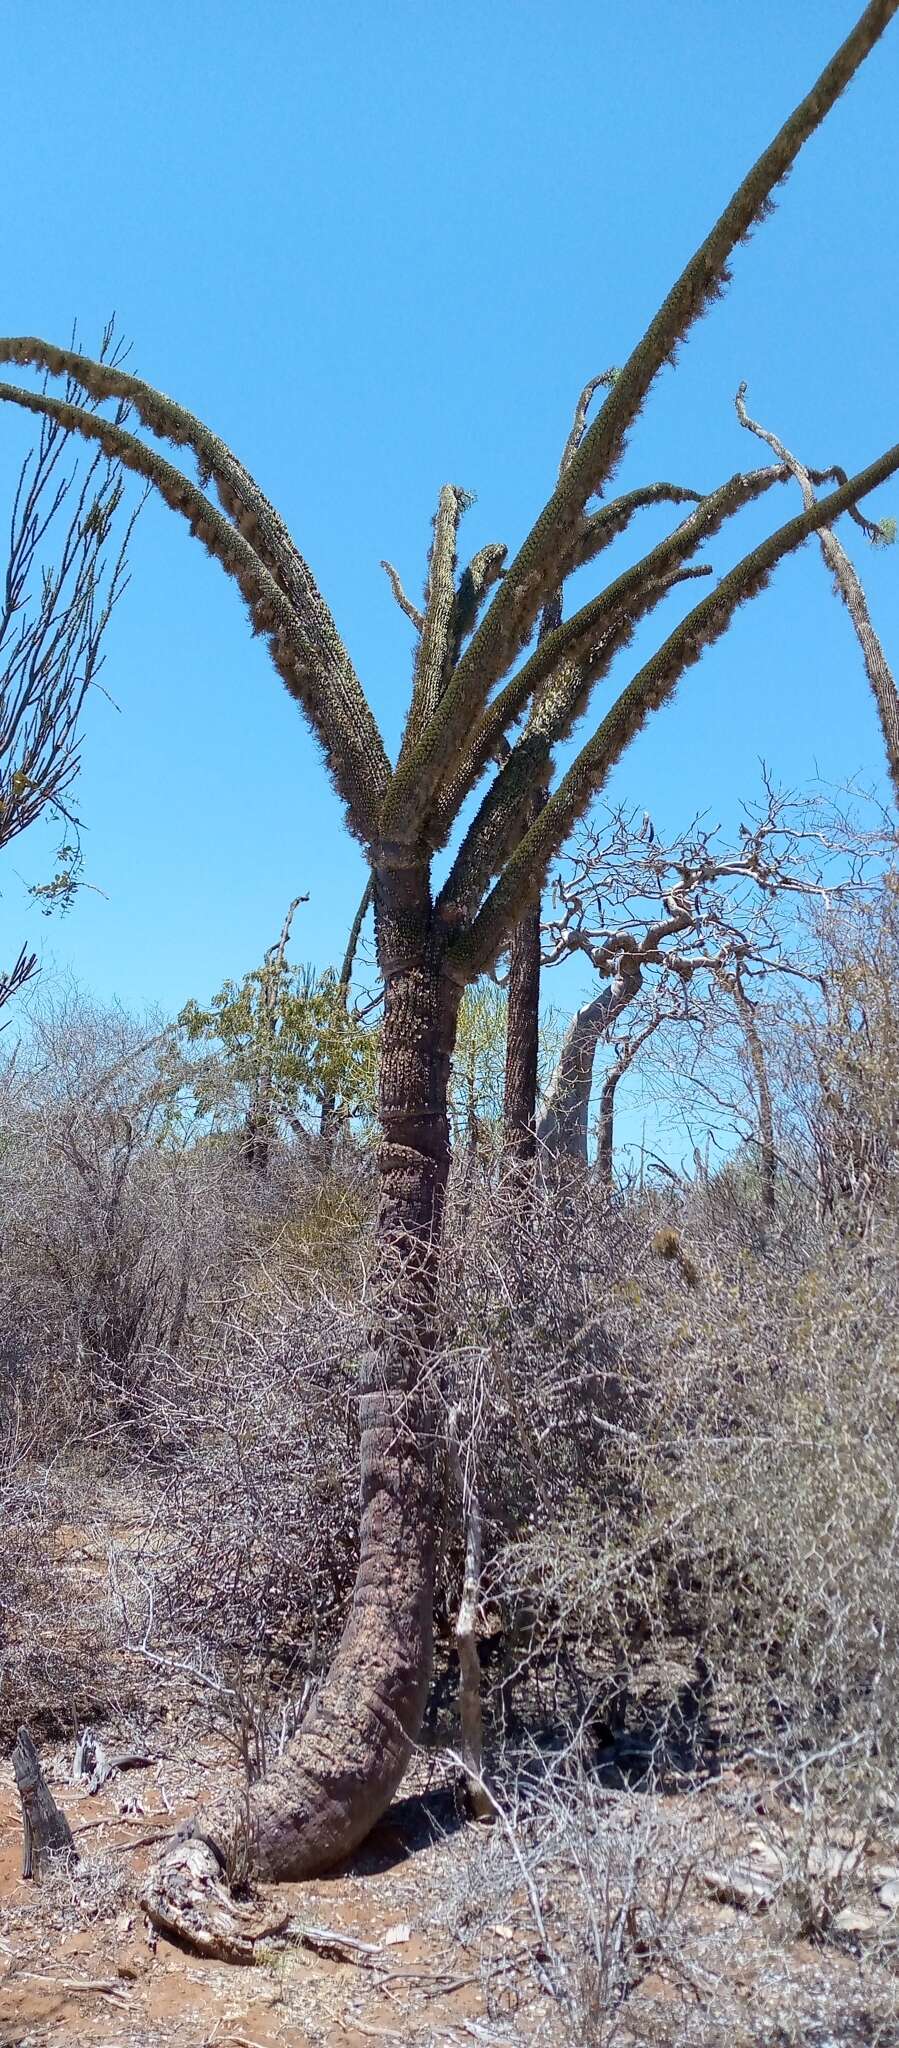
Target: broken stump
[47,1832]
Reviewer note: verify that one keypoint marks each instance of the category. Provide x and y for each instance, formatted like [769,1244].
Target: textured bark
[344,1764]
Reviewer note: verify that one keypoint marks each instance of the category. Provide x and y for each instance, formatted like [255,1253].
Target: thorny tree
[53,618]
[470,693]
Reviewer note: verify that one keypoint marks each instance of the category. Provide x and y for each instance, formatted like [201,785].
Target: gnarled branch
[405,603]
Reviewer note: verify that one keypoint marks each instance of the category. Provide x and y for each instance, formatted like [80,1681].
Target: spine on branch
[627,599]
[283,601]
[545,557]
[654,685]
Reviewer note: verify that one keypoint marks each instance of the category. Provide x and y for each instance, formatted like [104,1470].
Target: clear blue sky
[382,246]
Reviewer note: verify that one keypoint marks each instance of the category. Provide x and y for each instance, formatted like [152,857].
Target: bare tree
[53,619]
[663,923]
[469,695]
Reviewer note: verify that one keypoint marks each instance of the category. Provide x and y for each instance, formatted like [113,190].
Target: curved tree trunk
[562,1128]
[344,1764]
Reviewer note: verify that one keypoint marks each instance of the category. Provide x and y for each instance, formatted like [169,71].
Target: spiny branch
[604,381]
[405,603]
[492,832]
[241,496]
[546,555]
[654,685]
[435,652]
[331,698]
[485,568]
[849,585]
[597,531]
[623,599]
[238,492]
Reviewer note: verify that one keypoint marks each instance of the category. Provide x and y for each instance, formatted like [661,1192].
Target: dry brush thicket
[676,1414]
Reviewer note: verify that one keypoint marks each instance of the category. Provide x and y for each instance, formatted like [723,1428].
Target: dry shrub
[170,1372]
[252,1452]
[58,1662]
[682,1426]
[689,1470]
[590,1916]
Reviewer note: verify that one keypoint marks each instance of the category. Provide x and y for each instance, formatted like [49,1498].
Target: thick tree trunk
[348,1757]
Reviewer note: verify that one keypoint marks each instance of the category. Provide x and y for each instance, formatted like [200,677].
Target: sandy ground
[710,1912]
[78,1962]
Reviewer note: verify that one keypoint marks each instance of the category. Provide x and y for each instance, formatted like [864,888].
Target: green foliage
[479,1060]
[476,1088]
[60,892]
[280,1042]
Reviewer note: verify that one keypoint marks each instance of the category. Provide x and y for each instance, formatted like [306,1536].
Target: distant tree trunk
[605,1137]
[626,1055]
[522,1036]
[328,1122]
[342,1767]
[257,1136]
[562,1128]
[759,1065]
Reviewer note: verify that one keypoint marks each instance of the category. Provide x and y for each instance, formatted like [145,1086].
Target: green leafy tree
[476,1087]
[277,1046]
[480,1068]
[484,715]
